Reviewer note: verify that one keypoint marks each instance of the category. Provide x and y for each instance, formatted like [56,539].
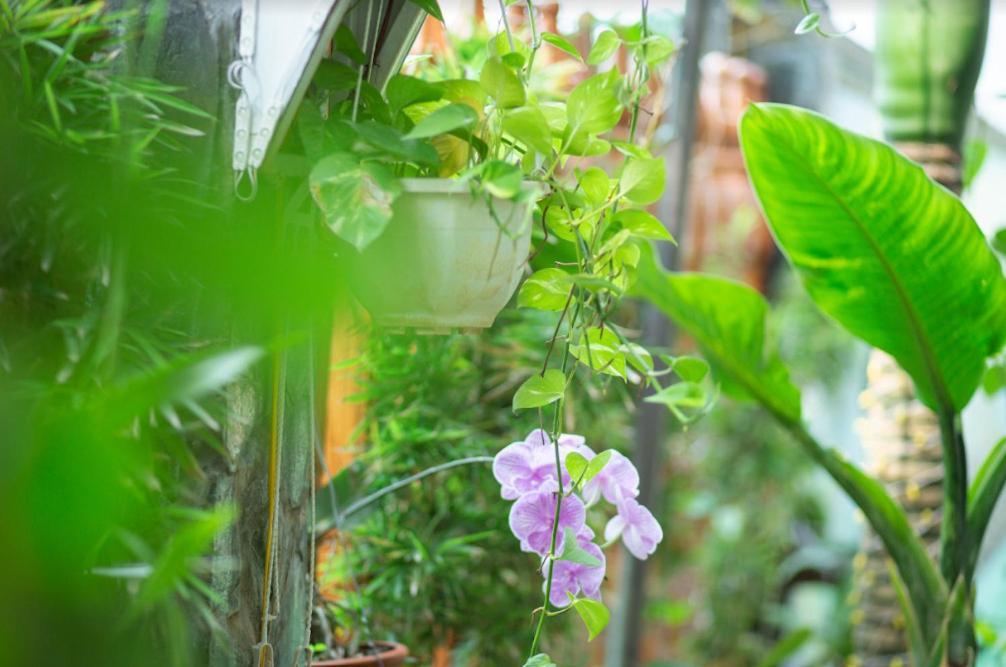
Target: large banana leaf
[727,320]
[894,257]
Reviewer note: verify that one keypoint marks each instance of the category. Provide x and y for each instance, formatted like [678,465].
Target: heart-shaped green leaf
[443,120]
[593,106]
[529,126]
[605,46]
[643,180]
[539,390]
[355,199]
[547,289]
[601,350]
[594,615]
[642,224]
[503,84]
[561,43]
[574,553]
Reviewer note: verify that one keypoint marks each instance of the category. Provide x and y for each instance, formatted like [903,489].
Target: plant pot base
[394,655]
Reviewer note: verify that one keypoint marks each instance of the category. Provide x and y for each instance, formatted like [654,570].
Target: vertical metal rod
[622,647]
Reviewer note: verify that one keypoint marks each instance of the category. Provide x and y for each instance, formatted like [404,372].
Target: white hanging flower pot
[450,258]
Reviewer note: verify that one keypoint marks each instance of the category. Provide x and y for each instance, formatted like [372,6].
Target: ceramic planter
[448,259]
[392,655]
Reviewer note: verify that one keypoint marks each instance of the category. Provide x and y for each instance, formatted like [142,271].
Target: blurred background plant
[121,288]
[434,562]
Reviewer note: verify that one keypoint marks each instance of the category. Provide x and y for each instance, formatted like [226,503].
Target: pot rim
[449,185]
[395,651]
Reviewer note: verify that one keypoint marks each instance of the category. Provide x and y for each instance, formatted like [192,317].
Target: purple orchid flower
[569,578]
[639,530]
[617,480]
[532,515]
[525,466]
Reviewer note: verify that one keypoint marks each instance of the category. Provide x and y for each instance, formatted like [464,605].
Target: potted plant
[591,181]
[341,506]
[421,183]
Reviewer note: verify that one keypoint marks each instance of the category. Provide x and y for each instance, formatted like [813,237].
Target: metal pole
[622,648]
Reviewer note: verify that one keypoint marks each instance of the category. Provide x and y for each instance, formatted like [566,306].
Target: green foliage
[843,227]
[540,390]
[727,320]
[433,399]
[594,614]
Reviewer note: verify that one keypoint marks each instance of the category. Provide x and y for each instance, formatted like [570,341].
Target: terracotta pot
[447,260]
[393,655]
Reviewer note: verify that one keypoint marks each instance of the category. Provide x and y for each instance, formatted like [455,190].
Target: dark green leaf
[346,44]
[880,247]
[396,145]
[403,91]
[335,76]
[539,390]
[984,493]
[727,320]
[431,7]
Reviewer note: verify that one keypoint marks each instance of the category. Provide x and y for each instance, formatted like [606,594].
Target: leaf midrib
[922,340]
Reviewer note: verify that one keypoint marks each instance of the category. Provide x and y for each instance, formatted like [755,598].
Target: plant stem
[391,488]
[535,39]
[556,428]
[953,532]
[506,25]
